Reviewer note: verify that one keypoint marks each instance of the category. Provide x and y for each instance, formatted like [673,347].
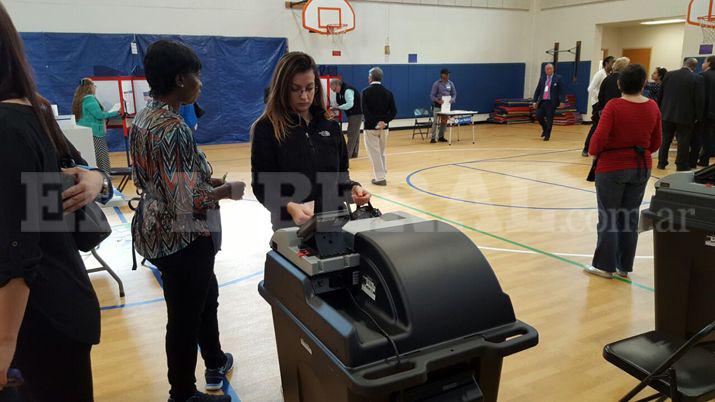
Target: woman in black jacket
[299,160]
[49,313]
[609,87]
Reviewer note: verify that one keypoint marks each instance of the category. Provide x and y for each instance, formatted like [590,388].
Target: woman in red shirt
[628,132]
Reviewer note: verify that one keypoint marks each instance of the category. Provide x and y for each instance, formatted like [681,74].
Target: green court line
[512,242]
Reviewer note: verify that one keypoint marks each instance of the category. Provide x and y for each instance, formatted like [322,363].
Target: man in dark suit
[682,101]
[701,148]
[547,98]
[378,106]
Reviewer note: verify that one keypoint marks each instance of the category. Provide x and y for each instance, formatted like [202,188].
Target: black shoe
[201,397]
[547,138]
[704,163]
[442,140]
[432,141]
[543,135]
[215,377]
[662,166]
[379,182]
[584,154]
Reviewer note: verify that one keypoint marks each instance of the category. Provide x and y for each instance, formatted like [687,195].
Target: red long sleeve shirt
[625,124]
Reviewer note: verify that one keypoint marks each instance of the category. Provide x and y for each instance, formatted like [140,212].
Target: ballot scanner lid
[685,198]
[425,283]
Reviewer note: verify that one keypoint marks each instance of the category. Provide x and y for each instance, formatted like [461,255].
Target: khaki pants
[376,142]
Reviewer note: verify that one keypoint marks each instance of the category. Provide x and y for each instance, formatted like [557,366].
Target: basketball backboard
[701,12]
[328,16]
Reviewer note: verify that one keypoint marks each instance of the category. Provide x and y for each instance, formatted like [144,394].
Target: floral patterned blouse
[173,177]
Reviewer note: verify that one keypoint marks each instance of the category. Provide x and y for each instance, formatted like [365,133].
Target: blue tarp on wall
[235,73]
[478,85]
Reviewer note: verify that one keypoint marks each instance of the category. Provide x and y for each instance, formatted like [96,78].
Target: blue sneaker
[201,397]
[215,377]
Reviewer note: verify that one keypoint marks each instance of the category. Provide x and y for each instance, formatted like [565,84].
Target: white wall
[476,35]
[570,24]
[665,42]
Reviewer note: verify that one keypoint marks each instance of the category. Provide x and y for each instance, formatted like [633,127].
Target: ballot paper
[446,104]
[114,108]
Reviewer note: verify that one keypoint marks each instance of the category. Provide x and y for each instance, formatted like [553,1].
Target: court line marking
[511,250]
[526,178]
[512,242]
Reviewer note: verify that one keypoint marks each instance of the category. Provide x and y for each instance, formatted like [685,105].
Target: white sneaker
[590,269]
[622,274]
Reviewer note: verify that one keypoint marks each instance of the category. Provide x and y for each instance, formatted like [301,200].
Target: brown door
[638,56]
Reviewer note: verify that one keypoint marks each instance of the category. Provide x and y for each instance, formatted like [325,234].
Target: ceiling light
[660,22]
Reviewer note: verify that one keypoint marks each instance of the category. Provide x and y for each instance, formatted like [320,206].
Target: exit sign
[337,53]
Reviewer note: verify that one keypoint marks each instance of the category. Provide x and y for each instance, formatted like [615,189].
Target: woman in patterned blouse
[177,226]
[652,89]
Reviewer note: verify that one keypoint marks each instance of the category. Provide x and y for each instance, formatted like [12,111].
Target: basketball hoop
[336,29]
[707,24]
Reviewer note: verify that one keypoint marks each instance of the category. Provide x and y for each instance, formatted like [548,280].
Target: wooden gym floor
[523,201]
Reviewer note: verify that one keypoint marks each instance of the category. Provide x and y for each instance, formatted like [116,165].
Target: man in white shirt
[593,90]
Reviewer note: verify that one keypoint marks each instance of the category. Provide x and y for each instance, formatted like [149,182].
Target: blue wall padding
[478,85]
[579,88]
[235,73]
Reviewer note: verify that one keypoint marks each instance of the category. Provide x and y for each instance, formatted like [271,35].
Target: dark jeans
[55,367]
[701,148]
[545,116]
[191,294]
[620,194]
[684,133]
[595,117]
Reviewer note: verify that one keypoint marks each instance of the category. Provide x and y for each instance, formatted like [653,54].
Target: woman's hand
[301,213]
[360,196]
[216,182]
[233,190]
[88,185]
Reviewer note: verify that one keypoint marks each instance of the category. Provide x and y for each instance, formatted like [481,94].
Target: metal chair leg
[106,267]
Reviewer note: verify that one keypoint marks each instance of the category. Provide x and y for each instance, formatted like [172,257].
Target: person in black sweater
[378,106]
[299,160]
[49,312]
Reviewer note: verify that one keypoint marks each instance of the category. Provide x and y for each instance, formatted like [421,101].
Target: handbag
[365,212]
[89,225]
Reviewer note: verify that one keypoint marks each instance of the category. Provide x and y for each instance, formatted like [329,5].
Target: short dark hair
[632,79]
[164,60]
[711,61]
[661,71]
[444,71]
[607,60]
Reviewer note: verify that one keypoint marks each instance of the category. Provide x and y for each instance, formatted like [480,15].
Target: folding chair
[681,371]
[422,127]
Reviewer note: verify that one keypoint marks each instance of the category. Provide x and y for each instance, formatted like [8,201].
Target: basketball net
[707,24]
[336,32]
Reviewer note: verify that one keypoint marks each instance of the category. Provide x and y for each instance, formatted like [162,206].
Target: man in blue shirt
[443,87]
[348,100]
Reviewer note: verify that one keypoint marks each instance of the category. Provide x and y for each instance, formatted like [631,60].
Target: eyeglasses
[301,91]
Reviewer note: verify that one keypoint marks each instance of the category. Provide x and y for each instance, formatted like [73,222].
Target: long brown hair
[278,110]
[16,81]
[86,87]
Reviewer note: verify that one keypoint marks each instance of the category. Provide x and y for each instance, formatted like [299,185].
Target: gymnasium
[479,269]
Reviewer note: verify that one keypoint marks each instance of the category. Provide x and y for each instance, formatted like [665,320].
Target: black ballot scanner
[395,308]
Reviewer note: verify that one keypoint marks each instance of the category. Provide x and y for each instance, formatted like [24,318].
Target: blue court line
[228,390]
[161,299]
[526,178]
[121,216]
[157,275]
